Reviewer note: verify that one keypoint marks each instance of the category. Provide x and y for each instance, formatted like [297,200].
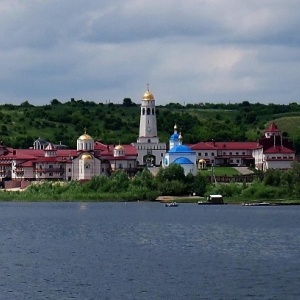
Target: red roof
[272,128]
[225,146]
[28,163]
[278,149]
[109,149]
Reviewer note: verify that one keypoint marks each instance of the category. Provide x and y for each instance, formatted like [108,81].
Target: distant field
[220,171]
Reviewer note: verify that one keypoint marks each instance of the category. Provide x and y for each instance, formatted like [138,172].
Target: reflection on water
[146,251]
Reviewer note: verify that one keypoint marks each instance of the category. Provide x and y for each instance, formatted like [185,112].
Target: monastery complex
[46,161]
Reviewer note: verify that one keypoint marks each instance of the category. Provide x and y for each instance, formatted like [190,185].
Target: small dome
[119,147]
[86,156]
[85,137]
[175,127]
[174,137]
[180,137]
[148,96]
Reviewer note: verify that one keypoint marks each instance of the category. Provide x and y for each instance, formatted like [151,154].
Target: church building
[180,154]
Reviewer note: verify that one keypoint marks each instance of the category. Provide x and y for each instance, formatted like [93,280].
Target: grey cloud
[190,51]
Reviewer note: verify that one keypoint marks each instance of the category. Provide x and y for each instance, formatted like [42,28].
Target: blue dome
[181,149]
[174,136]
[182,161]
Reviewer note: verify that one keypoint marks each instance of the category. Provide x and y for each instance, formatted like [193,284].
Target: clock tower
[148,146]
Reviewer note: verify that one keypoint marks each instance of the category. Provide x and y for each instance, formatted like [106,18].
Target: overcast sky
[189,51]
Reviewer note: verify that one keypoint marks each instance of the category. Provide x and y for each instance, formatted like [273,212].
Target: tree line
[273,186]
[61,122]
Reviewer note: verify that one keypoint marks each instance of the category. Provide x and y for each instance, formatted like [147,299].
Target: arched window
[143,111]
[148,111]
[149,141]
[152,111]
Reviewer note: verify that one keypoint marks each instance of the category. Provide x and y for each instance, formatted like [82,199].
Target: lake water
[148,251]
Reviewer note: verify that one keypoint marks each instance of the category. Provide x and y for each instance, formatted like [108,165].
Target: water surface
[147,251]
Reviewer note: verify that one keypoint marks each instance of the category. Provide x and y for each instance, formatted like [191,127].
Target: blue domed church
[180,154]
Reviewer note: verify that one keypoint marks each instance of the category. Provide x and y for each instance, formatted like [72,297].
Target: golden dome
[180,136]
[85,137]
[148,96]
[119,147]
[86,156]
[175,127]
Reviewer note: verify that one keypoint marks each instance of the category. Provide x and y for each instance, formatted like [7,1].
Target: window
[199,154]
[69,169]
[230,153]
[212,154]
[243,153]
[148,111]
[143,111]
[236,153]
[50,174]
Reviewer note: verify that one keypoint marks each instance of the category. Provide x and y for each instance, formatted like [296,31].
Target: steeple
[148,127]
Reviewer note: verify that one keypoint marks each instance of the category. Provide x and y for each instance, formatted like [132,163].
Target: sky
[191,51]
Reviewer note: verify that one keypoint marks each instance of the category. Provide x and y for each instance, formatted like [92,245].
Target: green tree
[127,102]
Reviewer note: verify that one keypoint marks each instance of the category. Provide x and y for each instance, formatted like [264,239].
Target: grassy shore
[20,195]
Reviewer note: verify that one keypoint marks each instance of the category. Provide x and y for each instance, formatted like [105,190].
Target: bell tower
[148,127]
[150,150]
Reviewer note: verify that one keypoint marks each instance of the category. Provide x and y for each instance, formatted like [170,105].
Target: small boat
[212,199]
[257,204]
[172,204]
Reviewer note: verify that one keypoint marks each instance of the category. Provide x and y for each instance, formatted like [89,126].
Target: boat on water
[213,199]
[172,204]
[257,204]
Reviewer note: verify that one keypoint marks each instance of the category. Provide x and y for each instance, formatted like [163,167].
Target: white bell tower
[148,127]
[150,150]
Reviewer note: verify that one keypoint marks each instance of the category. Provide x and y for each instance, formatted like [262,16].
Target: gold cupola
[148,95]
[86,156]
[85,136]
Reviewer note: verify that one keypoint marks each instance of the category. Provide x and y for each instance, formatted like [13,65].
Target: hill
[62,123]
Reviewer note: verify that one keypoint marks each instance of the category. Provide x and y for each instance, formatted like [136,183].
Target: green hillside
[59,122]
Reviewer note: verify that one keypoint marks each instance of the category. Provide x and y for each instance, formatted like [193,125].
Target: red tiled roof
[28,163]
[109,149]
[278,149]
[225,146]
